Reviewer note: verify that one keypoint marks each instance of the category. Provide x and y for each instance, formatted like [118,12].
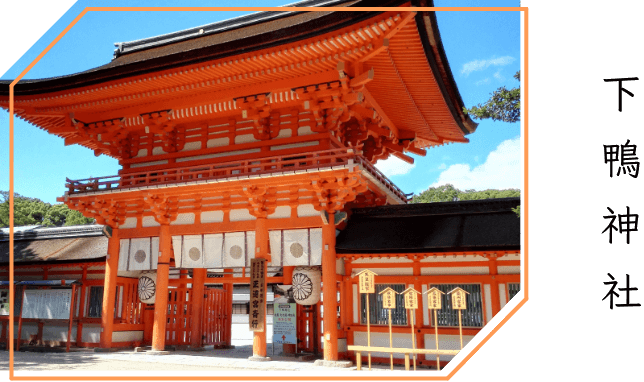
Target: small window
[513,289]
[378,315]
[95,305]
[470,317]
[240,308]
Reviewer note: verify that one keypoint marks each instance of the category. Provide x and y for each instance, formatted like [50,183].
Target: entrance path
[177,361]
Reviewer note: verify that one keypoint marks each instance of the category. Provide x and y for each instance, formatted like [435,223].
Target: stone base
[308,357]
[141,349]
[196,349]
[321,362]
[259,359]
[157,352]
[223,346]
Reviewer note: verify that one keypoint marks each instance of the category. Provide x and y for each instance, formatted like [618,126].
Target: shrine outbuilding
[246,147]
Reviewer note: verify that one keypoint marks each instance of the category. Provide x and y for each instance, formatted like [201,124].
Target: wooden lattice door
[179,316]
[217,310]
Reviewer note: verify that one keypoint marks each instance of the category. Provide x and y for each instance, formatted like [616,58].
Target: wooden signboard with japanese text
[366,281]
[388,298]
[459,300]
[411,298]
[257,312]
[434,300]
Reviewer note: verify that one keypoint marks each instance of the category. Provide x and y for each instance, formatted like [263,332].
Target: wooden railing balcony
[244,168]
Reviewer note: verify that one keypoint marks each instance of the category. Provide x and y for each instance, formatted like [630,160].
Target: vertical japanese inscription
[257,295]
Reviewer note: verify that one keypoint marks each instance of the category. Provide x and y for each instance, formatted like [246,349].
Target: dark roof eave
[343,251]
[108,72]
[100,260]
[440,66]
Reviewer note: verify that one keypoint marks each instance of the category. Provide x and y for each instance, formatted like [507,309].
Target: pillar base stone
[157,352]
[321,362]
[257,358]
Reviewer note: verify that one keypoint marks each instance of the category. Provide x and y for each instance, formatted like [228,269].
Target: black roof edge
[89,77]
[220,26]
[388,251]
[439,208]
[422,31]
[46,233]
[102,259]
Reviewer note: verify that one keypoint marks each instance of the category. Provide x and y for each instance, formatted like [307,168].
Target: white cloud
[499,76]
[394,166]
[477,65]
[482,82]
[443,166]
[502,169]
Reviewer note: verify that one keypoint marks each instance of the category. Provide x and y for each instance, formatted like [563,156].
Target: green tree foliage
[504,105]
[449,193]
[33,211]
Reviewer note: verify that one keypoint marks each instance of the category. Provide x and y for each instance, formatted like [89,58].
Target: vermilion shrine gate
[234,139]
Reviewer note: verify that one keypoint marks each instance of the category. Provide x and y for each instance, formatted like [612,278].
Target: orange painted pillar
[229,314]
[261,251]
[418,318]
[161,301]
[198,279]
[109,289]
[494,287]
[329,291]
[288,280]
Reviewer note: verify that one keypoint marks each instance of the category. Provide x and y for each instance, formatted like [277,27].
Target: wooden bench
[360,349]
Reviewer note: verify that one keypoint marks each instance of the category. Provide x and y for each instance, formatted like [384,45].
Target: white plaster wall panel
[295,145]
[251,251]
[213,250]
[139,254]
[386,271]
[149,221]
[339,267]
[245,138]
[234,249]
[367,260]
[355,303]
[305,130]
[158,151]
[509,270]
[281,212]
[315,239]
[145,164]
[141,153]
[487,295]
[240,215]
[192,255]
[425,305]
[130,274]
[400,340]
[454,271]
[184,218]
[284,133]
[212,217]
[128,223]
[217,155]
[304,210]
[154,254]
[452,258]
[57,333]
[275,239]
[445,342]
[177,242]
[296,247]
[502,295]
[124,252]
[342,345]
[127,336]
[28,329]
[218,142]
[191,146]
[91,333]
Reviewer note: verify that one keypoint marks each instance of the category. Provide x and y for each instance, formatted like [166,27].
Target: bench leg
[407,361]
[359,360]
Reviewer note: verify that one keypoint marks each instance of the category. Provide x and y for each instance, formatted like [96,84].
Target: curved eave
[433,46]
[285,30]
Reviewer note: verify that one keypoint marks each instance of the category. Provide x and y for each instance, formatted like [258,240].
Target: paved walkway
[126,360]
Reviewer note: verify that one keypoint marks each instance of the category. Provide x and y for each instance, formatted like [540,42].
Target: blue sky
[483,49]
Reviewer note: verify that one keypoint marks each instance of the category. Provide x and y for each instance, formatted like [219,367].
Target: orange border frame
[524,211]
